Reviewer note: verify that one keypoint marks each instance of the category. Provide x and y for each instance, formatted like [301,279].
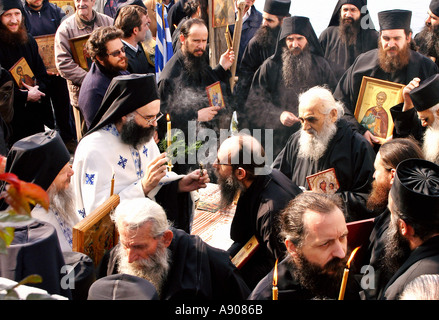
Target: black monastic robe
[197,271]
[367,64]
[348,153]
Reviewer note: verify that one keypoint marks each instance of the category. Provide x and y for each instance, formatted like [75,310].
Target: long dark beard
[135,135]
[229,187]
[323,283]
[194,65]
[394,63]
[396,250]
[378,197]
[349,31]
[14,38]
[295,67]
[430,38]
[266,37]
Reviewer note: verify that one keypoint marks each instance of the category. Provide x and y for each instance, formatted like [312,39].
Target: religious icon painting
[223,13]
[215,95]
[47,52]
[375,99]
[68,6]
[79,51]
[22,73]
[323,182]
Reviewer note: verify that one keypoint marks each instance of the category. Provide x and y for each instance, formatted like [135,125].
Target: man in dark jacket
[44,18]
[251,22]
[413,235]
[297,65]
[134,22]
[108,54]
[326,141]
[31,108]
[263,194]
[350,32]
[179,265]
[393,61]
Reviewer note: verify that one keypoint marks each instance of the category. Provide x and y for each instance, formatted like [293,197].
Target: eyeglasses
[117,52]
[151,119]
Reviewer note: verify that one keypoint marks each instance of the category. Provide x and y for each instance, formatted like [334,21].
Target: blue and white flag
[163,48]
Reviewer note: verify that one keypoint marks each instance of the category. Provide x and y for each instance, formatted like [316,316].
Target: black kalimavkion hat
[277,7]
[427,94]
[395,19]
[415,190]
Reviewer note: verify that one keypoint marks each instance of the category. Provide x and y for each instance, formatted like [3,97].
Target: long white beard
[154,269]
[62,202]
[431,142]
[313,146]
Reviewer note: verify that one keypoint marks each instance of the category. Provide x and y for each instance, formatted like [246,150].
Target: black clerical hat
[38,158]
[427,94]
[6,5]
[122,287]
[415,190]
[395,19]
[434,7]
[277,7]
[302,26]
[125,94]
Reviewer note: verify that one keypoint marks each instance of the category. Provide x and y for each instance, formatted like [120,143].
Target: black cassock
[341,56]
[197,271]
[182,95]
[290,289]
[367,64]
[257,213]
[348,153]
[423,260]
[270,97]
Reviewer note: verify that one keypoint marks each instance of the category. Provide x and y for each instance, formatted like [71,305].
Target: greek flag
[163,48]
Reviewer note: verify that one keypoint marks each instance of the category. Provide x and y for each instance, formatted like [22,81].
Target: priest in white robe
[120,145]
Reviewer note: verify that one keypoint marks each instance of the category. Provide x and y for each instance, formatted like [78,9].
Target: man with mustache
[314,230]
[182,84]
[32,110]
[107,52]
[393,61]
[350,32]
[180,266]
[44,160]
[119,144]
[261,46]
[427,40]
[413,235]
[263,193]
[418,115]
[297,65]
[83,22]
[391,153]
[327,141]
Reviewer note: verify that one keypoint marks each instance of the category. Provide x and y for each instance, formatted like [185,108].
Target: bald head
[242,151]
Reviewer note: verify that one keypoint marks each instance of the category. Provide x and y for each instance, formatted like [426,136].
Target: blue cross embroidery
[122,162]
[82,212]
[89,178]
[145,151]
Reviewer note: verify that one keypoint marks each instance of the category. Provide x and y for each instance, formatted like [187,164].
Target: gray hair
[325,96]
[424,287]
[135,213]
